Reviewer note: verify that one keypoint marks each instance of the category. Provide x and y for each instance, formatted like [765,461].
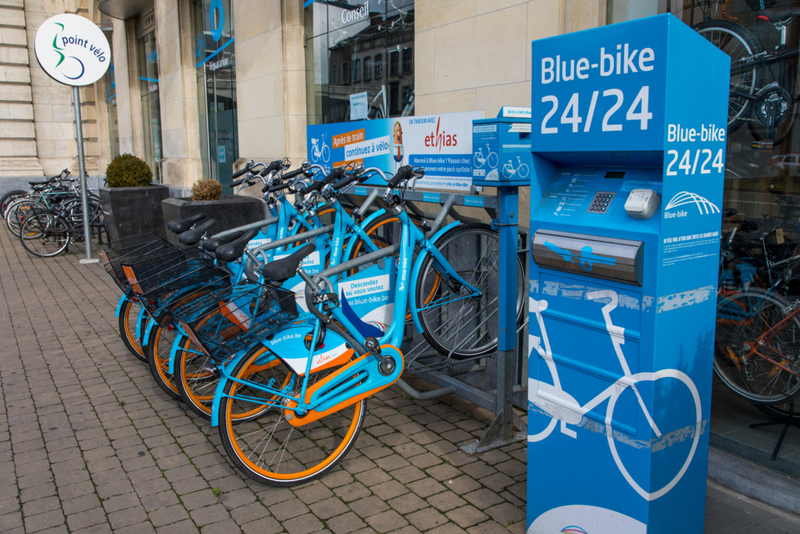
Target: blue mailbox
[628,149]
[502,148]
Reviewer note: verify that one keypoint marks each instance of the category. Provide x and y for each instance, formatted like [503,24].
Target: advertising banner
[441,144]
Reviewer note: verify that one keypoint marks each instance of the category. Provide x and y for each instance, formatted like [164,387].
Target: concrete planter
[229,211]
[131,211]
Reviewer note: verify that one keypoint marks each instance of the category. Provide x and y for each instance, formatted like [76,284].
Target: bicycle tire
[299,454]
[741,319]
[10,197]
[781,412]
[157,348]
[464,327]
[128,315]
[197,376]
[738,42]
[17,212]
[44,234]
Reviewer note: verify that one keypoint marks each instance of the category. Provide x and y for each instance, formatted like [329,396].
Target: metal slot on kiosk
[601,257]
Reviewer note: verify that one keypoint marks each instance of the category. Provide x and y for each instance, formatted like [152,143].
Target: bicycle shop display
[625,240]
[763,91]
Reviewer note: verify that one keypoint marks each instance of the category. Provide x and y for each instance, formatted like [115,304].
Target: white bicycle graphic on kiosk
[521,170]
[561,406]
[491,158]
[320,150]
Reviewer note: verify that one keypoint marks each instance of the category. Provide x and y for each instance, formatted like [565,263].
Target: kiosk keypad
[600,202]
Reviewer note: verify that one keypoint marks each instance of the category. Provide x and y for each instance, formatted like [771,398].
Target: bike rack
[511,358]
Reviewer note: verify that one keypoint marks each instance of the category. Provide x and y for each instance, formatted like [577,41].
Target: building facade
[197,87]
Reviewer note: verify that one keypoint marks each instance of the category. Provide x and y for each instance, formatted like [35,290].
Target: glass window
[394,62]
[761,199]
[358,36]
[151,106]
[215,65]
[408,60]
[110,84]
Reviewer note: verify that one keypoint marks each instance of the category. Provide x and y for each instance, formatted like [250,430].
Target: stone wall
[270,79]
[17,130]
[37,119]
[476,54]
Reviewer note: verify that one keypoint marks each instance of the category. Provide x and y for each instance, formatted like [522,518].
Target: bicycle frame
[360,378]
[756,346]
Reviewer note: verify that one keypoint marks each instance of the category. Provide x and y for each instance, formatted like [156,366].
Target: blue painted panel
[620,374]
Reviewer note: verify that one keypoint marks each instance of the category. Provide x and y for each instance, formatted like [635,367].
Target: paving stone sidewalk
[90,444]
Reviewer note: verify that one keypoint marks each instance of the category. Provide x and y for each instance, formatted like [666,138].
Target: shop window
[760,205]
[408,61]
[394,91]
[394,63]
[347,45]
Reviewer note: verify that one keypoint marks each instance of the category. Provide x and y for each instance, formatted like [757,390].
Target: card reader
[642,203]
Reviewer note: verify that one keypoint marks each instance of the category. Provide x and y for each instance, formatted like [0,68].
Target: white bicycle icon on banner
[561,406]
[521,170]
[491,158]
[320,150]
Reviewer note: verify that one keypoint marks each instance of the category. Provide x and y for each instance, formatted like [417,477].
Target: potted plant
[131,205]
[229,211]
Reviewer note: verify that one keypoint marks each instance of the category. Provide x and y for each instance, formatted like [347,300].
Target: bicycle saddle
[281,270]
[235,249]
[778,13]
[181,225]
[214,243]
[191,237]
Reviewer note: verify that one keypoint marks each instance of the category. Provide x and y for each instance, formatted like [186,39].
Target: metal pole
[87,236]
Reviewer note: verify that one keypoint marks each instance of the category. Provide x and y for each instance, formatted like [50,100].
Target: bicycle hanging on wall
[763,90]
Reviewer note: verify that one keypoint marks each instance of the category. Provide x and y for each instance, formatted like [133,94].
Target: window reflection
[347,58]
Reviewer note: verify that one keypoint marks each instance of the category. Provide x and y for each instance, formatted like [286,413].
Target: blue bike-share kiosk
[628,139]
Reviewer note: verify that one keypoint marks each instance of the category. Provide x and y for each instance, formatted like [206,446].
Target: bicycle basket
[131,250]
[163,307]
[151,280]
[235,318]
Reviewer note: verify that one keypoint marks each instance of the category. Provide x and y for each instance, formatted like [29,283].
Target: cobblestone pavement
[90,444]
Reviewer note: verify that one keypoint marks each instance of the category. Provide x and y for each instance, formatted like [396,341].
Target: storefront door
[221,123]
[151,106]
[216,83]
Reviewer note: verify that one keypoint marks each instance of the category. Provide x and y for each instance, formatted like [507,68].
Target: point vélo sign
[72,50]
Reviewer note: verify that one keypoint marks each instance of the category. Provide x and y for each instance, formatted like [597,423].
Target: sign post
[73,50]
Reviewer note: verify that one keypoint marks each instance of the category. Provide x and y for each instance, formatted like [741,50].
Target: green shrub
[126,170]
[206,189]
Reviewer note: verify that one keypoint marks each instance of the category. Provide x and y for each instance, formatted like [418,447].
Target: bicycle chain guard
[351,383]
